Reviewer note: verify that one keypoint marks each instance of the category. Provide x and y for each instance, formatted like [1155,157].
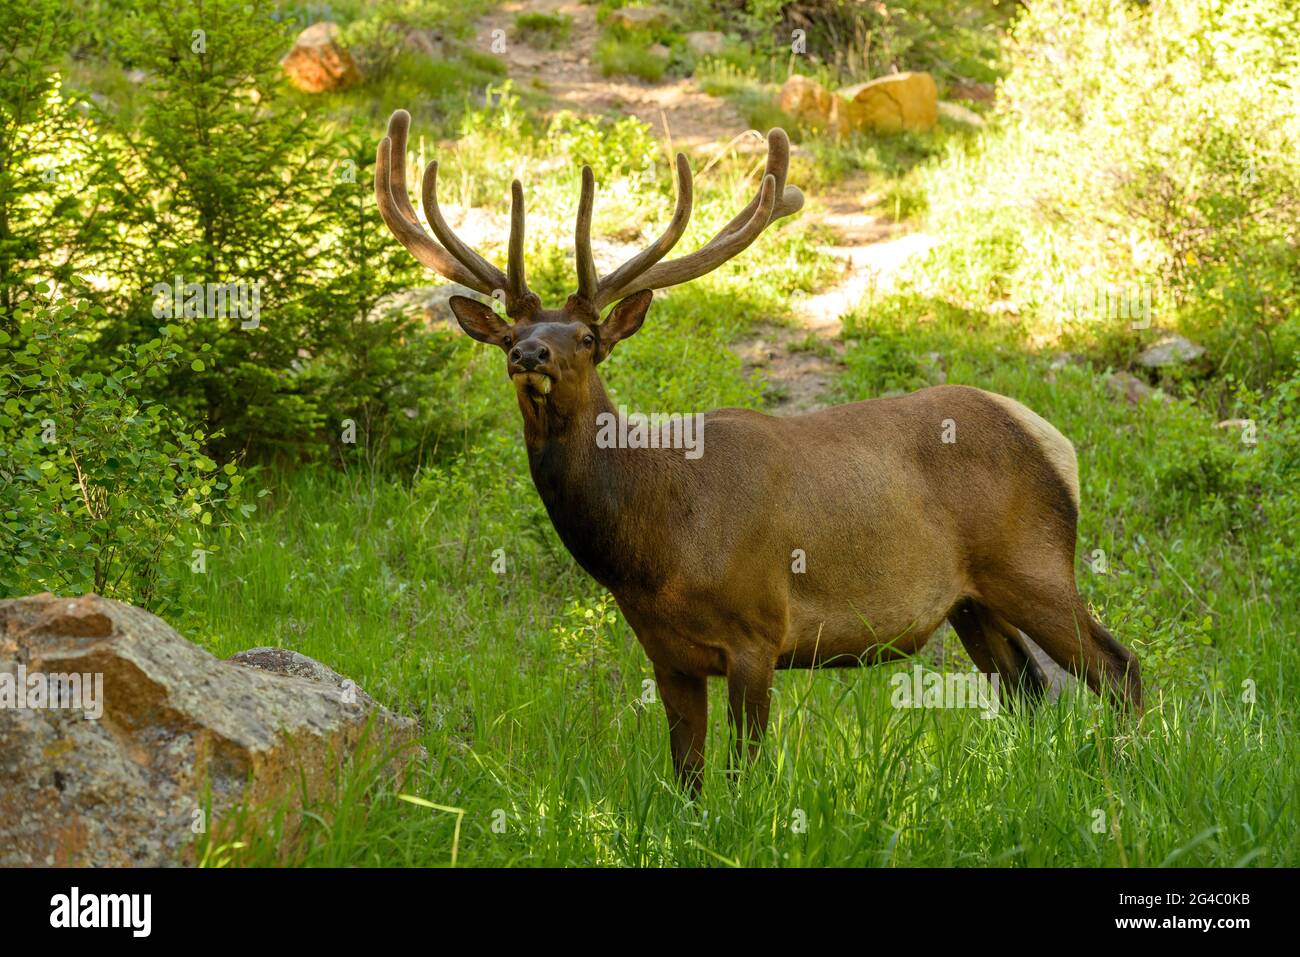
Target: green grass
[532,717]
[630,57]
[543,30]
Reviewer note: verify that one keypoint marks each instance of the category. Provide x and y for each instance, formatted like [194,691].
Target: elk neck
[600,500]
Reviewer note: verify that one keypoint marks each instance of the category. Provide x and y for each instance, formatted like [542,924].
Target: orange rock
[806,100]
[319,62]
[888,104]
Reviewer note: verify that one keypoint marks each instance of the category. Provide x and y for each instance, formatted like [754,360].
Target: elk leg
[1060,624]
[686,702]
[749,692]
[995,646]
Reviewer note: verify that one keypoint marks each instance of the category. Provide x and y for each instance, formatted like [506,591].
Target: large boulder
[806,100]
[114,768]
[319,61]
[889,104]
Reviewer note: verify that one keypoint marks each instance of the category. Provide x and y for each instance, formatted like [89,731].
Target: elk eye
[508,341]
[588,339]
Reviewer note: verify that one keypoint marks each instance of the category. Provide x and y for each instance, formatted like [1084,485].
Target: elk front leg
[686,702]
[749,690]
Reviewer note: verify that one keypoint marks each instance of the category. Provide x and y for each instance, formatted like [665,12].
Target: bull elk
[950,503]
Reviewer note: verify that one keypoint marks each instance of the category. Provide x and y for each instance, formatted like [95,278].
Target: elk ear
[478,320]
[623,320]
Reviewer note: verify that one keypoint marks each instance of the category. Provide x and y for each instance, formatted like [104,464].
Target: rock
[1125,385]
[428,304]
[960,114]
[319,62]
[640,18]
[1169,351]
[118,774]
[282,661]
[659,50]
[1063,359]
[806,100]
[136,77]
[705,42]
[973,91]
[425,42]
[888,104]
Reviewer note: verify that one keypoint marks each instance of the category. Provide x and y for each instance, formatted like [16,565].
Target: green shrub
[544,30]
[631,57]
[101,488]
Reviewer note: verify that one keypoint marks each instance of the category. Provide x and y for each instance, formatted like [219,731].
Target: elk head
[552,354]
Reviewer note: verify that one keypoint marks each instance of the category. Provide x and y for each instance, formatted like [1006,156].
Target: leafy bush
[46,154]
[545,30]
[101,488]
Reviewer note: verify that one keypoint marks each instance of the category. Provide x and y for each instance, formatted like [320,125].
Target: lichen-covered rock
[114,769]
[319,61]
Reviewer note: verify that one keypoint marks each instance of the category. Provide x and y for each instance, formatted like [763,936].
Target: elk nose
[529,357]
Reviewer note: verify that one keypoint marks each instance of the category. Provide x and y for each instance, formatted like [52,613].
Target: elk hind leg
[1057,620]
[997,647]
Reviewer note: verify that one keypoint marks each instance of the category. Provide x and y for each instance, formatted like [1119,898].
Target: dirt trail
[798,362]
[677,111]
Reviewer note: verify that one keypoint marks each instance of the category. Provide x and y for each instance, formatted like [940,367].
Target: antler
[645,270]
[452,259]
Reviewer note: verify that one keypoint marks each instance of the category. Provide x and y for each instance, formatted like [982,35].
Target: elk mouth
[536,384]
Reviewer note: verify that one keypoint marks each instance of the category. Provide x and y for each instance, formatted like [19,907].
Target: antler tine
[789,198]
[480,267]
[582,259]
[517,287]
[714,253]
[626,274]
[395,207]
[773,201]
